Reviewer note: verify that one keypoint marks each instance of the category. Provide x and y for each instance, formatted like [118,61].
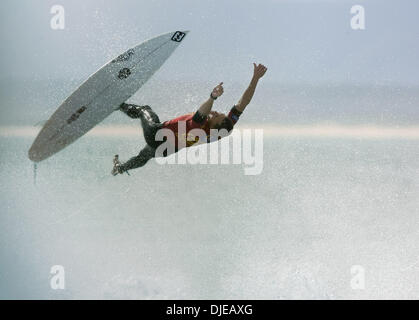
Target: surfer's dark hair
[225,124]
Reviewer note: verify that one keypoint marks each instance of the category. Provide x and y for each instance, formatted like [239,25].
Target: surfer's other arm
[258,72]
[206,107]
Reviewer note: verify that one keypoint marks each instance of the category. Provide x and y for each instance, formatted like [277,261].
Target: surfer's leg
[135,162]
[149,120]
[145,113]
[151,124]
[132,110]
[148,116]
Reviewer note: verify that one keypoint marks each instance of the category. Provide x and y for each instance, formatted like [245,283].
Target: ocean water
[320,207]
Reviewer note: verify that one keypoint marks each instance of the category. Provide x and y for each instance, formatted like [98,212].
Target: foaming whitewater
[321,206]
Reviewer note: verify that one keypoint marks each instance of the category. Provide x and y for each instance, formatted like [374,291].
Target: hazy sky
[300,41]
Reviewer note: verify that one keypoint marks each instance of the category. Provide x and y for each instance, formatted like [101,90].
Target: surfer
[204,118]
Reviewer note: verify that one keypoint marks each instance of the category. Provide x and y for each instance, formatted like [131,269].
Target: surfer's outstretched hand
[218,90]
[258,70]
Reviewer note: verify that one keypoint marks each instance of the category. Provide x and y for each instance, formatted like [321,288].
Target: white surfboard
[102,93]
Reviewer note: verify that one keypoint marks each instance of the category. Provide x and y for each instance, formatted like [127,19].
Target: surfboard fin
[35,167]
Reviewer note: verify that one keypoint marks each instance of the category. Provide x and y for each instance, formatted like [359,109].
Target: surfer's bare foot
[116,166]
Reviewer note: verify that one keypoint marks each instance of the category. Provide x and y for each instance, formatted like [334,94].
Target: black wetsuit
[151,124]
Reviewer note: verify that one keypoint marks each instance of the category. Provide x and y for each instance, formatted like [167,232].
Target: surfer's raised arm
[258,72]
[206,107]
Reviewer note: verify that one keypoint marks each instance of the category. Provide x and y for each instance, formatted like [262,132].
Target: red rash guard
[193,121]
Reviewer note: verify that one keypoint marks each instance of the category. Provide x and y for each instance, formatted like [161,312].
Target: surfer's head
[219,121]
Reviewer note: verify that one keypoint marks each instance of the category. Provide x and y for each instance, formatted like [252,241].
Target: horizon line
[269,130]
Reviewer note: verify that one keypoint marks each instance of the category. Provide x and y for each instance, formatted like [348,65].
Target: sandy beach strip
[320,131]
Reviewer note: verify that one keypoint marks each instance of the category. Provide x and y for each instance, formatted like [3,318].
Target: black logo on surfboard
[124,73]
[178,36]
[125,56]
[76,115]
